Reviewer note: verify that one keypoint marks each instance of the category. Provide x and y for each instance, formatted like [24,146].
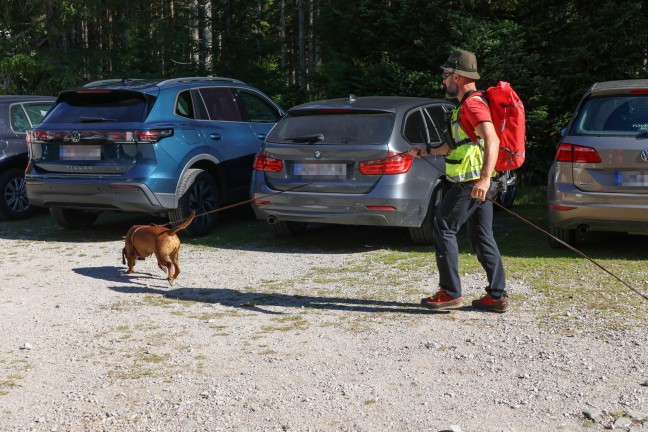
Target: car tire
[199,193]
[73,219]
[566,235]
[13,199]
[423,235]
[288,228]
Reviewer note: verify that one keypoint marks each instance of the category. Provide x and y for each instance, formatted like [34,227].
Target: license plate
[80,152]
[631,178]
[322,170]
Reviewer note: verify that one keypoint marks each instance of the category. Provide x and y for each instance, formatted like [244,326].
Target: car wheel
[73,218]
[199,193]
[566,235]
[288,228]
[424,234]
[13,201]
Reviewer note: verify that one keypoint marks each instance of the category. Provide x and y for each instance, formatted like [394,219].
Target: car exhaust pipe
[272,220]
[583,229]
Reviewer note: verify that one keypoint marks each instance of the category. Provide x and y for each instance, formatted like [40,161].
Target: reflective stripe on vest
[465,162]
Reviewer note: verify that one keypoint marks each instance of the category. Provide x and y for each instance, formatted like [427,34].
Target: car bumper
[338,209]
[570,208]
[100,196]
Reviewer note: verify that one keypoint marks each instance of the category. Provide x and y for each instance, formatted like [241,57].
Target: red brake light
[576,153]
[128,137]
[394,163]
[266,163]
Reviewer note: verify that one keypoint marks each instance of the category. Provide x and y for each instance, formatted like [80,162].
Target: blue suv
[161,147]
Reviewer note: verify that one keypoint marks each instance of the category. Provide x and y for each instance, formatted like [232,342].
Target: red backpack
[507,112]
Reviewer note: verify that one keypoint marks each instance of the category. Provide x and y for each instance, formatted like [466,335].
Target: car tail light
[394,163]
[150,136]
[576,153]
[266,163]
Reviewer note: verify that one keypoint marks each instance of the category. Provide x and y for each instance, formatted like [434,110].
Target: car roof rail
[194,79]
[123,81]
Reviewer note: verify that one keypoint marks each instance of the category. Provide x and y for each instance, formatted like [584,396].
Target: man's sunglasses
[445,75]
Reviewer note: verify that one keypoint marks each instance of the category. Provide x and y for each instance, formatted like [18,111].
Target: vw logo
[644,155]
[318,154]
[76,136]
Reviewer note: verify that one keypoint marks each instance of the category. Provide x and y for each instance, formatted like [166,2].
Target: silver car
[343,161]
[599,178]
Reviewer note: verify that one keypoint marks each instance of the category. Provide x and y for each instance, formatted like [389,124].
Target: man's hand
[418,150]
[480,189]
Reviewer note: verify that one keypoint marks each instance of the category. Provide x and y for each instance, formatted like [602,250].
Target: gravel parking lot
[256,336]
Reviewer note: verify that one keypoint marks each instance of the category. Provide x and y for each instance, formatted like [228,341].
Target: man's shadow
[141,283]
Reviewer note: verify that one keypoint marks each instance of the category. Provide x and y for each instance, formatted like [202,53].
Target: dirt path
[272,339]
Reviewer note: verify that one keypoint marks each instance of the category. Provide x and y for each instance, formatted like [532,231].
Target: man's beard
[451,90]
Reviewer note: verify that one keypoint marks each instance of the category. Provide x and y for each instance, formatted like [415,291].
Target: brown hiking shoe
[441,300]
[488,303]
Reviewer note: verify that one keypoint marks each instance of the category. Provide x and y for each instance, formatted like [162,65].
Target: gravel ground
[283,339]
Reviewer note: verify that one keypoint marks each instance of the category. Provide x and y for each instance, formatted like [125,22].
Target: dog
[144,240]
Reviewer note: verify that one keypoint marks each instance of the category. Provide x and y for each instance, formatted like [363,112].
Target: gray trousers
[457,208]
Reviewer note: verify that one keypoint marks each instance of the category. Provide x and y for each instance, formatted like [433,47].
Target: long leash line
[237,204]
[552,236]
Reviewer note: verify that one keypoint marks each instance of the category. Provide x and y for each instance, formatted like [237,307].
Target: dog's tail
[183,225]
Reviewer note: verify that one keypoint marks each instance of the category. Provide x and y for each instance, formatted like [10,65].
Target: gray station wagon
[344,161]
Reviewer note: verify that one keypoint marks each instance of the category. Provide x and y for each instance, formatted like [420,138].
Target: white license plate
[324,170]
[631,178]
[80,152]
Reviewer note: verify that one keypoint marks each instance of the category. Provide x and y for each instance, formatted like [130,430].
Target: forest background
[302,50]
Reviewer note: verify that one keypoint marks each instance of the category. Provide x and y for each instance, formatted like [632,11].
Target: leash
[227,207]
[531,224]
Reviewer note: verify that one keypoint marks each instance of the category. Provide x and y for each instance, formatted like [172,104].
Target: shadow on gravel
[140,284]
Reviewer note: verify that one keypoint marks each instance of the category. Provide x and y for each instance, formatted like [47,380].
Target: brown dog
[144,240]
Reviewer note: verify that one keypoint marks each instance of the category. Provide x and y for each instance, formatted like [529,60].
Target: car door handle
[262,136]
[215,136]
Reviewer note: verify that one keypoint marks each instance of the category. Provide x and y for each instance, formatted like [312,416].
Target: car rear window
[89,106]
[363,128]
[613,115]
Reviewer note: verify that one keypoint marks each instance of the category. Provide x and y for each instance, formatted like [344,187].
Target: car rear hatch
[330,150]
[609,144]
[94,132]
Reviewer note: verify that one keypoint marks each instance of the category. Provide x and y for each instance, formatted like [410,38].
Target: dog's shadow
[146,283]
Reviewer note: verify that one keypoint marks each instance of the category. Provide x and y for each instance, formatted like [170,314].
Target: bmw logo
[318,154]
[76,136]
[644,155]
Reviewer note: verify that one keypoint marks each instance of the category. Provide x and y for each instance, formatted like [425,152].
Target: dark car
[17,115]
[343,161]
[165,147]
[599,179]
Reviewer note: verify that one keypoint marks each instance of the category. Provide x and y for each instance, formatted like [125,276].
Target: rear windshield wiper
[310,139]
[96,120]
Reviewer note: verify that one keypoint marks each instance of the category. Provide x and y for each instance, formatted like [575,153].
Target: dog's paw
[170,281]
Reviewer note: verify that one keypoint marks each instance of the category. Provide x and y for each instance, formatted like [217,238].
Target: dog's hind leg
[174,260]
[165,264]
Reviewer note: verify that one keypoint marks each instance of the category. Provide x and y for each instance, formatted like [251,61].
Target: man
[470,162]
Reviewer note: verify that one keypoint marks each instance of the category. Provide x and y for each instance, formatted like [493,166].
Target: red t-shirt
[473,111]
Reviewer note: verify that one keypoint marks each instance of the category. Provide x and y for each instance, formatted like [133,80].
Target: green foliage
[550,51]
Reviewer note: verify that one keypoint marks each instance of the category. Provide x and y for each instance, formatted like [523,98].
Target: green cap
[462,63]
